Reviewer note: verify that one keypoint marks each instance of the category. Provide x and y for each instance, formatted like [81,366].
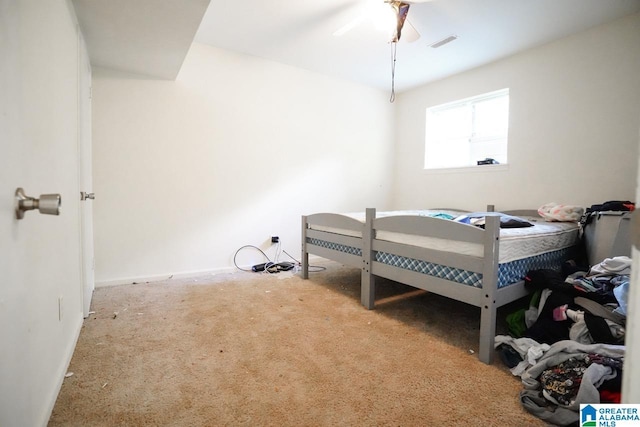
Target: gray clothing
[532,398]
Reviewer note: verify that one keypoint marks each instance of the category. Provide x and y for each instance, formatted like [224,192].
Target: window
[461,133]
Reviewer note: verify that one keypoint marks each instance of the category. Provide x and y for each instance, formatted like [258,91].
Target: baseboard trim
[165,276]
[183,275]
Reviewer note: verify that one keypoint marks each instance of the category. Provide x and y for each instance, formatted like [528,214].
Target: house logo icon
[587,416]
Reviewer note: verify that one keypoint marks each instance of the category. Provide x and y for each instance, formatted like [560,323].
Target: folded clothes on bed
[557,212]
[506,221]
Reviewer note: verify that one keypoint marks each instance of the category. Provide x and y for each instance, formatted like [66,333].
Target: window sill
[470,169]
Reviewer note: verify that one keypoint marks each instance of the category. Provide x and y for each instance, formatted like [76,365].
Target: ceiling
[152,36]
[146,37]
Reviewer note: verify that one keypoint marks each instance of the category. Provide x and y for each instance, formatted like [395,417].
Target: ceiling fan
[387,15]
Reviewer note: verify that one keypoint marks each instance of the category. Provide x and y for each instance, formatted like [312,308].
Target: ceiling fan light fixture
[383,16]
[444,41]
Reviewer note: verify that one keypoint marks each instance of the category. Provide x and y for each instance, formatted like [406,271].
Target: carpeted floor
[253,349]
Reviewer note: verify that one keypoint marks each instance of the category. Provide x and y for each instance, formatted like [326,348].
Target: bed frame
[489,297]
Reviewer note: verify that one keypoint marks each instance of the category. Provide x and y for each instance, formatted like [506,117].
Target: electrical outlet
[275,239]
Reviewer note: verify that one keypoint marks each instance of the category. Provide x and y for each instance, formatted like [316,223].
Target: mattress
[544,245]
[515,243]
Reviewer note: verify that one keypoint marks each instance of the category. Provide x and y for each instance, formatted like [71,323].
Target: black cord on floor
[244,247]
[275,267]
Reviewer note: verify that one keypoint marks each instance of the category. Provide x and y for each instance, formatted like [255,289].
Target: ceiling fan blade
[409,32]
[350,26]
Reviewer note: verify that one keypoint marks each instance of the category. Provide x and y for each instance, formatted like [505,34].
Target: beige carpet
[252,349]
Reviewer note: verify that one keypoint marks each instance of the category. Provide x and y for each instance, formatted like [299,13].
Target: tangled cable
[273,266]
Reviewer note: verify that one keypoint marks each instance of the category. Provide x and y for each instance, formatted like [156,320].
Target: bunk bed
[483,267]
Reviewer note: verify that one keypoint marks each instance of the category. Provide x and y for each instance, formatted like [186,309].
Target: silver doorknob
[48,204]
[85,196]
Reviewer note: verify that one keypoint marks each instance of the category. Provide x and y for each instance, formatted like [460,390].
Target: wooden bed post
[488,305]
[368,286]
[305,255]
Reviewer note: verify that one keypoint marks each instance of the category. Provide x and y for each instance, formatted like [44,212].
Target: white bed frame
[489,297]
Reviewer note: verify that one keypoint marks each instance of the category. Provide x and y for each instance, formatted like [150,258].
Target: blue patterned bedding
[508,273]
[335,246]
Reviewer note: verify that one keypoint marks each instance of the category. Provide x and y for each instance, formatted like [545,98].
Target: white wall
[573,137]
[234,151]
[237,148]
[40,254]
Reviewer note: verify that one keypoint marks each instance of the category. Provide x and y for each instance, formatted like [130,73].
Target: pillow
[563,213]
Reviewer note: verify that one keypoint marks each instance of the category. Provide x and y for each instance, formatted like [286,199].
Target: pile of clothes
[568,345]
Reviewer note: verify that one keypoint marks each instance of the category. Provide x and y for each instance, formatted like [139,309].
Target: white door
[40,285]
[85,180]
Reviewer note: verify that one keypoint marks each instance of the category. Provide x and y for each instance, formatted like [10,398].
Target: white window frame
[468,135]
